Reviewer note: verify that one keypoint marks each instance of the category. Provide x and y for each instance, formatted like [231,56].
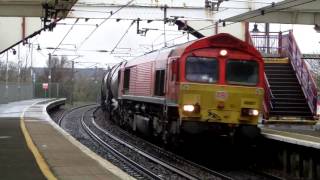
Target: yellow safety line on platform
[39,159]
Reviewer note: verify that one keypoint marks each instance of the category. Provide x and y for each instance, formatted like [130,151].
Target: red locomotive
[211,84]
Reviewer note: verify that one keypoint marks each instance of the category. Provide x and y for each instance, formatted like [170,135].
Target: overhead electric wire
[257,2]
[65,35]
[136,5]
[66,24]
[125,33]
[95,29]
[141,19]
[81,10]
[266,12]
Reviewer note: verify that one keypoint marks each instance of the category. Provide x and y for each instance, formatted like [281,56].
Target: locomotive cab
[221,89]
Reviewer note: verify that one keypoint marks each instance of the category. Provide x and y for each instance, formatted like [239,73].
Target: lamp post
[32,71]
[49,77]
[6,93]
[72,79]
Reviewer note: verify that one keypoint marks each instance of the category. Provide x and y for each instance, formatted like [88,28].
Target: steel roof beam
[285,12]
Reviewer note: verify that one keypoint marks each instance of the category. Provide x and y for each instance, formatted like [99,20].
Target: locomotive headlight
[249,112]
[188,108]
[223,52]
[253,112]
[192,108]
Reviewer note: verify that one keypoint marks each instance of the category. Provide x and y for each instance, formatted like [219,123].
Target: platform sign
[45,86]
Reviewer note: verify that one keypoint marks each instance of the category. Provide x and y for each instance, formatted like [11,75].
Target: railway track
[175,160]
[71,121]
[167,169]
[139,162]
[65,113]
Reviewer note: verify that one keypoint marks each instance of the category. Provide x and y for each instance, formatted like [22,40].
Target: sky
[103,48]
[307,38]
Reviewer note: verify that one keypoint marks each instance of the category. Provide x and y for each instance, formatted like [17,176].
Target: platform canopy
[34,8]
[284,12]
[20,19]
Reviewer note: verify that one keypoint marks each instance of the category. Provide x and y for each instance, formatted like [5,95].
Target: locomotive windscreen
[242,72]
[202,69]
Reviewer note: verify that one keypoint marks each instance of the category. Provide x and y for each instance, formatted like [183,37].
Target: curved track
[176,172]
[138,162]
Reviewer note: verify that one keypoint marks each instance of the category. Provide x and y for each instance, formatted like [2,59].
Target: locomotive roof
[222,40]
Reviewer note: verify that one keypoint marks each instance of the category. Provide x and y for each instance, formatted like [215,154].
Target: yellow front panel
[220,103]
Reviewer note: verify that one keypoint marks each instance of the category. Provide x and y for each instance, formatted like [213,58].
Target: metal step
[278,71]
[285,88]
[289,75]
[281,79]
[289,104]
[289,119]
[289,108]
[288,100]
[294,113]
[276,83]
[277,64]
[287,91]
[300,96]
[285,68]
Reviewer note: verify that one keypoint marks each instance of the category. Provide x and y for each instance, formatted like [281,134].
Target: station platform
[303,135]
[34,147]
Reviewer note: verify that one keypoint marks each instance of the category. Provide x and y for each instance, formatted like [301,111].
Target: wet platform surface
[304,135]
[16,160]
[62,156]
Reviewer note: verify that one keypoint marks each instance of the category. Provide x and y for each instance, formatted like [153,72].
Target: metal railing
[302,71]
[267,103]
[256,40]
[283,44]
[272,44]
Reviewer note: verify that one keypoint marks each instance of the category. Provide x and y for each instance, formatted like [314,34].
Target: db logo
[221,95]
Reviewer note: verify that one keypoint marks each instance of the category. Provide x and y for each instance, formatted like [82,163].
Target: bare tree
[60,70]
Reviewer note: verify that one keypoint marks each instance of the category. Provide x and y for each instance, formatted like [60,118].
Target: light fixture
[249,112]
[255,28]
[223,52]
[188,108]
[38,48]
[14,52]
[253,112]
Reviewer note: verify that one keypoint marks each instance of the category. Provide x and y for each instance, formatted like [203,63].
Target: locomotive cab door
[173,78]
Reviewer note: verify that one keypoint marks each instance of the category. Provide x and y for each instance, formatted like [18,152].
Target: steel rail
[113,150]
[65,113]
[162,163]
[169,154]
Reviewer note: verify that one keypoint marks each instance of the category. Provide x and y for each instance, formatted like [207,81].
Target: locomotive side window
[174,71]
[126,80]
[202,69]
[159,83]
[242,72]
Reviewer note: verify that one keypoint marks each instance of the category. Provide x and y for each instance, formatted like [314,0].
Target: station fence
[14,92]
[79,92]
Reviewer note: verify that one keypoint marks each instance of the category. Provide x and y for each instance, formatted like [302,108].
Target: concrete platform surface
[34,147]
[16,160]
[304,135]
